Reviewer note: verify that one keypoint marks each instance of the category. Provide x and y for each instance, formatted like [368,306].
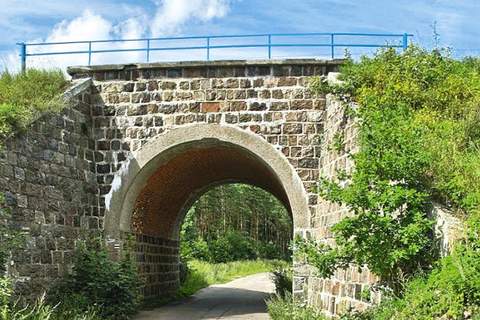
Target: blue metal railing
[399,41]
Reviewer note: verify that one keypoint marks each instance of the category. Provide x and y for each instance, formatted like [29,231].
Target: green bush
[39,310]
[284,308]
[282,277]
[113,287]
[232,246]
[419,142]
[196,248]
[450,291]
[270,251]
[419,137]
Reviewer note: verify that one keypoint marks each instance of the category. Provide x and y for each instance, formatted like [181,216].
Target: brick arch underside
[170,191]
[173,187]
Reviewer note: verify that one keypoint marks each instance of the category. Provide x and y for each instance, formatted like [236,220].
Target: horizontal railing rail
[399,41]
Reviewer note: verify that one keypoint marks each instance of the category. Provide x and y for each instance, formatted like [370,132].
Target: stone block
[210,106]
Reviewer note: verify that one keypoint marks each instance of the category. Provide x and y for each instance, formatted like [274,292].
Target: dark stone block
[257,106]
[116,145]
[174,73]
[103,168]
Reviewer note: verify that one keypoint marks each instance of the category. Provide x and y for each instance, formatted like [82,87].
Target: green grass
[202,274]
[284,308]
[23,96]
[41,310]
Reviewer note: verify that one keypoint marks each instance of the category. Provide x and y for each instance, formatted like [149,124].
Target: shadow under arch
[154,188]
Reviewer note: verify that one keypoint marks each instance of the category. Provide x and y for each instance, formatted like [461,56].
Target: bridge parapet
[208,69]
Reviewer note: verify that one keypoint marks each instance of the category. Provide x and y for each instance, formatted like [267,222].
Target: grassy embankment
[203,273]
[24,96]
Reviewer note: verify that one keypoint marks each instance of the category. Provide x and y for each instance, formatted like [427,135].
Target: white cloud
[88,26]
[169,18]
[173,14]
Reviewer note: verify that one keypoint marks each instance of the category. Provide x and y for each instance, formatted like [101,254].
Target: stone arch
[154,188]
[135,172]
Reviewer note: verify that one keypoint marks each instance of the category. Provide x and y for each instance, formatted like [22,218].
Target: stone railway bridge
[138,144]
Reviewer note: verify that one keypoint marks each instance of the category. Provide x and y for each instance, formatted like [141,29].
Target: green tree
[418,135]
[236,221]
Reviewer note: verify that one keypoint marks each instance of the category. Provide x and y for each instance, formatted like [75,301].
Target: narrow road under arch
[243,298]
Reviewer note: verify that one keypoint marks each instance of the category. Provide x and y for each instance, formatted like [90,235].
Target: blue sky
[457,21]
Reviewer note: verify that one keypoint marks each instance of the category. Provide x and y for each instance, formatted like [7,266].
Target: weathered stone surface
[51,188]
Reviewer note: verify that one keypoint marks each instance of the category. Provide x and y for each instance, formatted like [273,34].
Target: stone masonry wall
[48,176]
[343,290]
[158,262]
[134,104]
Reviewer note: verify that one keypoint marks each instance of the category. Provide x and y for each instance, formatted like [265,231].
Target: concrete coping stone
[76,88]
[189,64]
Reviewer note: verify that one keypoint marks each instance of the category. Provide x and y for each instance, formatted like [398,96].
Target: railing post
[405,41]
[332,46]
[148,50]
[89,52]
[269,47]
[208,48]
[23,56]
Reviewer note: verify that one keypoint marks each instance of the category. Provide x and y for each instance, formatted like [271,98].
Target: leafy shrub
[419,142]
[183,270]
[195,249]
[112,286]
[270,251]
[284,308]
[282,277]
[233,246]
[40,309]
[418,114]
[450,291]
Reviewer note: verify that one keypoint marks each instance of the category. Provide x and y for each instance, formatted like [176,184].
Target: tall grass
[203,274]
[284,308]
[25,95]
[41,310]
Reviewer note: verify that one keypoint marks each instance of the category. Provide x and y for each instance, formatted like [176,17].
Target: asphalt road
[243,298]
